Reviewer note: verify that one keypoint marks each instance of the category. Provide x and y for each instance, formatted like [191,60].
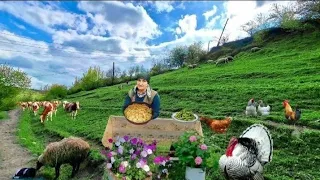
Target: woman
[142,92]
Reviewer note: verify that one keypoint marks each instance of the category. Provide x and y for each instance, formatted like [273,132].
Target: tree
[178,55]
[12,81]
[14,78]
[131,71]
[195,52]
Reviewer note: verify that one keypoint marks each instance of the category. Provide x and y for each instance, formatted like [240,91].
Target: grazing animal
[70,150]
[23,105]
[73,108]
[246,156]
[192,66]
[210,61]
[48,108]
[35,108]
[255,49]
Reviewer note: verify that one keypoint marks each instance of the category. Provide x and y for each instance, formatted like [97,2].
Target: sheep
[229,58]
[255,49]
[221,60]
[72,150]
[192,66]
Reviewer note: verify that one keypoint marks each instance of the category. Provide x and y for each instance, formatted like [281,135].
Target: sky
[54,42]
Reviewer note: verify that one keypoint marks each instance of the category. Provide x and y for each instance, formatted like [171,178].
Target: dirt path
[12,155]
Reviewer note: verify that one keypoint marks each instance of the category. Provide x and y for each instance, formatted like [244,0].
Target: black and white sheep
[70,150]
[255,49]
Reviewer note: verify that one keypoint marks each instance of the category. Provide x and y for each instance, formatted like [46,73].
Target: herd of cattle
[50,107]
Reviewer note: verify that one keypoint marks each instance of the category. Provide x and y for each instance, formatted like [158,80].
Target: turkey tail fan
[263,140]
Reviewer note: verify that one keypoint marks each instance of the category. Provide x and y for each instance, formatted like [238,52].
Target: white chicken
[251,109]
[246,156]
[263,110]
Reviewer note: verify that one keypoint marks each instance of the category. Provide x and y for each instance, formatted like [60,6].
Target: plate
[138,113]
[195,116]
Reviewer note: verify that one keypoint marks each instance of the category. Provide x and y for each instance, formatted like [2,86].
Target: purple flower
[144,154]
[109,155]
[124,178]
[198,160]
[104,152]
[137,152]
[133,156]
[122,168]
[157,160]
[134,141]
[203,147]
[109,165]
[126,138]
[192,138]
[120,151]
[142,162]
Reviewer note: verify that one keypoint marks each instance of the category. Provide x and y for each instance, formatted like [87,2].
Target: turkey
[245,156]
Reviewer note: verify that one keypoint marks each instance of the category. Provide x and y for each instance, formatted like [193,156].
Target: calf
[72,108]
[23,105]
[48,108]
[35,108]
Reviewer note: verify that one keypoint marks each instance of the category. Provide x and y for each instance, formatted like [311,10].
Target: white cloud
[240,12]
[121,19]
[188,23]
[20,26]
[164,6]
[210,13]
[43,16]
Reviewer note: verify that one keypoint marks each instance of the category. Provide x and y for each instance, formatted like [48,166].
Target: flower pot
[195,174]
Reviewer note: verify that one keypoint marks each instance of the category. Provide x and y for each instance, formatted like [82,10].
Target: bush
[56,91]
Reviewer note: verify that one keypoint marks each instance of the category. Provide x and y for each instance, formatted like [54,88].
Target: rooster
[263,110]
[291,115]
[245,156]
[251,109]
[219,126]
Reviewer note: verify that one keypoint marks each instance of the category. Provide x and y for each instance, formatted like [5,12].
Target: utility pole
[222,32]
[112,74]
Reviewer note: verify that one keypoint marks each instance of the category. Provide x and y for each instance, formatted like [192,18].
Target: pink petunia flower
[122,168]
[198,160]
[192,138]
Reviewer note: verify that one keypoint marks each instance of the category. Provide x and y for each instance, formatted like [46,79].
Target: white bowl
[195,116]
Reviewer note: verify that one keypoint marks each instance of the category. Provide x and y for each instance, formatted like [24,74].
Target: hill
[287,67]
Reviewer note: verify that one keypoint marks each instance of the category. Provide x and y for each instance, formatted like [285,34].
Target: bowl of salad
[185,116]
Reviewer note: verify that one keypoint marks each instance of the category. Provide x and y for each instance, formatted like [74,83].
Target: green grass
[283,69]
[3,115]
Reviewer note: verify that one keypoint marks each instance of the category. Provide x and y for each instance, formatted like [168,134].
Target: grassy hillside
[287,67]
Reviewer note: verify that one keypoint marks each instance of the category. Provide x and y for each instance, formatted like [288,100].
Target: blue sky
[56,41]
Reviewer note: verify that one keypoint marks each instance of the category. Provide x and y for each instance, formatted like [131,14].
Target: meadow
[285,68]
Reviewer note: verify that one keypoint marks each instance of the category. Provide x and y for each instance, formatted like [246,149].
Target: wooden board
[163,130]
